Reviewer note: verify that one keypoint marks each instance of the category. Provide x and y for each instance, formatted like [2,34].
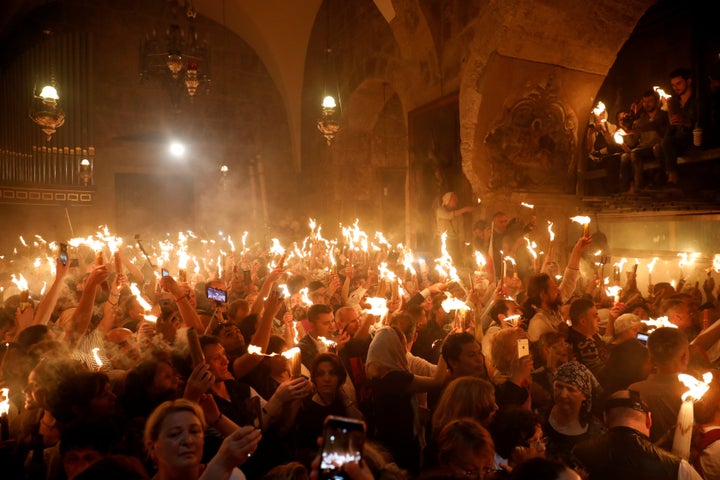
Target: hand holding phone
[216,295]
[63,254]
[343,441]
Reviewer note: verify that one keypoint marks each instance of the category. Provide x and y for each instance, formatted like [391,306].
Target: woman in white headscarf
[395,421]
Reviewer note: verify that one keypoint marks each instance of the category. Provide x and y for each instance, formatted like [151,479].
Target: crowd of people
[126,369]
[657,128]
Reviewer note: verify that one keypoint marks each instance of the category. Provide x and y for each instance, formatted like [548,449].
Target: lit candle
[293,355]
[584,221]
[4,414]
[686,415]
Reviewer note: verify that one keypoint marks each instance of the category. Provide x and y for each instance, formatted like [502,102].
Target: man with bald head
[625,450]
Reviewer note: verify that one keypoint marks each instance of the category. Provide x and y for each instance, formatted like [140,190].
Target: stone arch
[371,153]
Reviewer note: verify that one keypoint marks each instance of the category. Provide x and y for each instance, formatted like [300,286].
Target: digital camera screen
[343,444]
[217,295]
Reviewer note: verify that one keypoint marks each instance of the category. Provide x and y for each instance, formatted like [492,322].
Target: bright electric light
[328,102]
[177,149]
[49,92]
[85,162]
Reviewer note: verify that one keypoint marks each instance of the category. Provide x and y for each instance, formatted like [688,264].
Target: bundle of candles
[192,258]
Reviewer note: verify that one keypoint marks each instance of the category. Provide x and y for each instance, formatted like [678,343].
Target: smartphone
[642,337]
[523,347]
[343,440]
[216,295]
[164,273]
[63,253]
[196,353]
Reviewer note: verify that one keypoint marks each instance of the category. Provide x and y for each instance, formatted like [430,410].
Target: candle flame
[651,264]
[581,219]
[20,283]
[613,291]
[5,404]
[480,259]
[599,109]
[451,303]
[683,259]
[662,93]
[550,231]
[696,388]
[618,136]
[378,306]
[527,205]
[150,318]
[531,246]
[304,297]
[327,343]
[284,290]
[660,322]
[512,320]
[290,353]
[96,356]
[276,248]
[139,297]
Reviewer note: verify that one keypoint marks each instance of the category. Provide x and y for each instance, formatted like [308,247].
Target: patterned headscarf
[578,375]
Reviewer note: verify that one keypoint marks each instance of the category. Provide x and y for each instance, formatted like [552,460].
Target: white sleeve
[710,461]
[687,472]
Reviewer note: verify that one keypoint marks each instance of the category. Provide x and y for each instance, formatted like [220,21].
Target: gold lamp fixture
[328,123]
[46,111]
[178,60]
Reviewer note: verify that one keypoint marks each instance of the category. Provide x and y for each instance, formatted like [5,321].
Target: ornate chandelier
[328,123]
[178,60]
[45,110]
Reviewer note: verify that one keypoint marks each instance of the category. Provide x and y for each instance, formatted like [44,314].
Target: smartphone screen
[63,253]
[216,295]
[165,273]
[343,440]
[523,347]
[642,337]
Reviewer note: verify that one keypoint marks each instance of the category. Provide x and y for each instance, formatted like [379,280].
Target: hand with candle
[199,382]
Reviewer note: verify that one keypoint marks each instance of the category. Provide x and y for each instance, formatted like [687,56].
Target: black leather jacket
[623,453]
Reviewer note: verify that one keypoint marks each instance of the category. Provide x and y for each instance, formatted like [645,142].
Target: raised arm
[245,363]
[132,268]
[572,270]
[47,304]
[187,312]
[271,278]
[108,320]
[80,320]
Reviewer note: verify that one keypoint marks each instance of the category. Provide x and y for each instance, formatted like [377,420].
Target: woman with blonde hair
[464,397]
[174,439]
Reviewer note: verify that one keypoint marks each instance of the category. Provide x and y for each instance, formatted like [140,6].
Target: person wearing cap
[570,420]
[625,451]
[627,326]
